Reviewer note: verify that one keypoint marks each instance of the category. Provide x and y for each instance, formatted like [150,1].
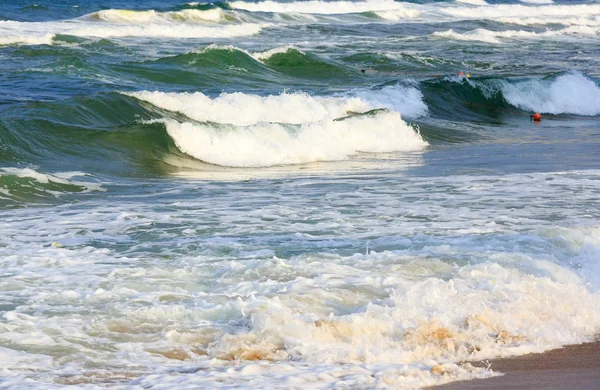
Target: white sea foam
[407,100]
[489,36]
[245,109]
[251,130]
[474,2]
[33,39]
[570,93]
[270,144]
[518,10]
[71,179]
[526,21]
[172,31]
[125,23]
[320,7]
[398,14]
[151,16]
[264,55]
[456,283]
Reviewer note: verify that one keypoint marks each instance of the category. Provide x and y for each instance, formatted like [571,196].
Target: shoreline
[570,367]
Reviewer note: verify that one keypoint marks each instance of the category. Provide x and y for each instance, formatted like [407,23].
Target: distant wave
[489,36]
[111,23]
[319,7]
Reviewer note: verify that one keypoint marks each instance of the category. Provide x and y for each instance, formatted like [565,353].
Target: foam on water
[45,39]
[407,100]
[474,2]
[320,7]
[199,305]
[25,183]
[580,21]
[263,145]
[125,23]
[151,16]
[398,14]
[243,130]
[570,93]
[265,55]
[489,36]
[518,10]
[246,109]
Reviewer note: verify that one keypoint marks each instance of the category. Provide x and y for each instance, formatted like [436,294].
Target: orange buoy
[537,117]
[460,73]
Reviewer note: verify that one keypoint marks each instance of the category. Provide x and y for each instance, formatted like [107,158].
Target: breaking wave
[245,130]
[488,36]
[319,7]
[571,93]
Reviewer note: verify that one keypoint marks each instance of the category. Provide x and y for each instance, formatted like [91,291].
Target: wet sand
[572,367]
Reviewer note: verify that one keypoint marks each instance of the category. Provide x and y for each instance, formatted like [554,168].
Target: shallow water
[294,194]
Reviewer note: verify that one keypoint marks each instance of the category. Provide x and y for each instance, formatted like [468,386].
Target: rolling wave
[459,97]
[113,23]
[25,185]
[321,7]
[497,37]
[241,130]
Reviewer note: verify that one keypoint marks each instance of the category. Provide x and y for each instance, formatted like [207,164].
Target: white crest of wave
[67,178]
[269,144]
[265,55]
[151,16]
[168,31]
[319,7]
[242,109]
[520,10]
[537,1]
[397,14]
[474,2]
[406,100]
[570,93]
[34,39]
[243,130]
[576,21]
[489,36]
[124,23]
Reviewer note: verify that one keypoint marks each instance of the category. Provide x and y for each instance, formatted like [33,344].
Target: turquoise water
[294,194]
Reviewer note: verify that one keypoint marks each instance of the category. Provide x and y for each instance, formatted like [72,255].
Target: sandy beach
[571,367]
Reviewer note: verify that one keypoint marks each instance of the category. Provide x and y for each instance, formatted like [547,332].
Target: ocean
[294,194]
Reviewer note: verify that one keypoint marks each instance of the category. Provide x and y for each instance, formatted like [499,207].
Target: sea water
[294,194]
